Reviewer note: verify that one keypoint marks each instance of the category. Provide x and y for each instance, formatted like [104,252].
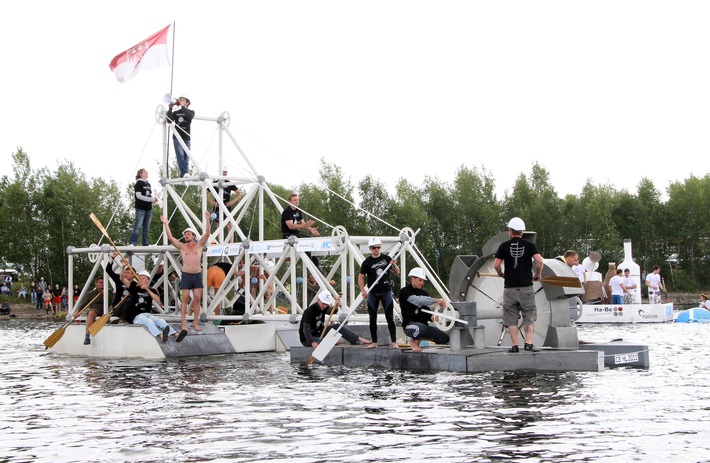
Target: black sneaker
[514,349]
[529,347]
[87,341]
[166,333]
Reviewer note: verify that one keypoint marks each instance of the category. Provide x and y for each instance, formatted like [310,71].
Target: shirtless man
[191,253]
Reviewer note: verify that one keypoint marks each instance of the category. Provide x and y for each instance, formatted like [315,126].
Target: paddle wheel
[473,279]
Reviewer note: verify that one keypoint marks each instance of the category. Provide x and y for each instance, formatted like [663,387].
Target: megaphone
[168,99]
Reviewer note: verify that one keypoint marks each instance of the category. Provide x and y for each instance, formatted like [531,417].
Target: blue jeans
[617,299]
[154,324]
[142,219]
[182,159]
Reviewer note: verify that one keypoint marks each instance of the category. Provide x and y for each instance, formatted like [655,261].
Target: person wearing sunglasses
[381,293]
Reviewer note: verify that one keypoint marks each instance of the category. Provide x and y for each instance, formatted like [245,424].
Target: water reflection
[260,407]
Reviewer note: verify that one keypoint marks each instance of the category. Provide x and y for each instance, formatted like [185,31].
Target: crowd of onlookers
[51,299]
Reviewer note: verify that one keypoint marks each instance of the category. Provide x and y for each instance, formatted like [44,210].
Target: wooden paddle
[97,222]
[101,321]
[54,338]
[570,282]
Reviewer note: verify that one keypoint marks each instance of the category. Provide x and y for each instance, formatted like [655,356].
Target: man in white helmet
[518,255]
[412,298]
[311,328]
[191,273]
[372,267]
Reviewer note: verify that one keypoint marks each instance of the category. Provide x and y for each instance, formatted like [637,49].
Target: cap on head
[269,266]
[144,273]
[191,230]
[374,241]
[326,298]
[627,270]
[516,224]
[417,272]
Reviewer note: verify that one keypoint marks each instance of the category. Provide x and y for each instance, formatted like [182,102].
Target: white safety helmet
[517,224]
[417,272]
[144,273]
[326,298]
[374,241]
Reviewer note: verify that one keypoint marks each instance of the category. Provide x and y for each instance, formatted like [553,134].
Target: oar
[97,222]
[326,345]
[101,321]
[665,288]
[54,338]
[570,282]
[448,317]
[322,334]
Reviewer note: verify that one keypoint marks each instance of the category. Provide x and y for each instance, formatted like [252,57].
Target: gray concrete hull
[463,361]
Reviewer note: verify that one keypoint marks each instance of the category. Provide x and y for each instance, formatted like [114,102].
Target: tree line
[42,212]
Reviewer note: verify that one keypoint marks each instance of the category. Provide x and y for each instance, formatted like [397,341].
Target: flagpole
[172,62]
[167,132]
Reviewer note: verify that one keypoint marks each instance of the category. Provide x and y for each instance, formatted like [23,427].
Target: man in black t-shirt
[518,256]
[313,321]
[292,222]
[182,116]
[381,293]
[227,191]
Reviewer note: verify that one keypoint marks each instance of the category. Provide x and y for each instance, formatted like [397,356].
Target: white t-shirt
[580,271]
[615,285]
[629,282]
[652,281]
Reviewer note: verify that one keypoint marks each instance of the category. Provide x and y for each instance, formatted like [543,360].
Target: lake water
[260,407]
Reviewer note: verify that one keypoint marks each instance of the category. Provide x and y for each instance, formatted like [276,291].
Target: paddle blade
[326,345]
[54,338]
[98,224]
[99,323]
[569,282]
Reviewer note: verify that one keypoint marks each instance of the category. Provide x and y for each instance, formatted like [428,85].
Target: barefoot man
[191,253]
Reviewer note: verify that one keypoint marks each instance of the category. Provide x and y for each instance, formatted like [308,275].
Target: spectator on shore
[56,299]
[33,292]
[47,301]
[22,292]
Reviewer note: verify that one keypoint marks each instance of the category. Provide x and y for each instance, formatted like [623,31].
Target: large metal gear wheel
[339,237]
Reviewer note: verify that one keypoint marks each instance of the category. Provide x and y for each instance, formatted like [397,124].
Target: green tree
[536,202]
[24,235]
[66,202]
[478,215]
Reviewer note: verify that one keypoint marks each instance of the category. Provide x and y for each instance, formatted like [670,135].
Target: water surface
[260,407]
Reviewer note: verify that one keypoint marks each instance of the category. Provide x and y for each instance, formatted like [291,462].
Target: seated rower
[412,298]
[138,311]
[313,321]
[95,298]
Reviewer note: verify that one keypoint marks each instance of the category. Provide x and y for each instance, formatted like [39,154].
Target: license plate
[626,358]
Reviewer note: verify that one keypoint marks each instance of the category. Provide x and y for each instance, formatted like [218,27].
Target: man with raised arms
[191,280]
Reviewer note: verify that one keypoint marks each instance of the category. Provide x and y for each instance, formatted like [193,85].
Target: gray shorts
[516,301]
[191,281]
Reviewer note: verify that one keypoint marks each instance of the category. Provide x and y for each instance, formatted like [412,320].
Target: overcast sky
[613,91]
